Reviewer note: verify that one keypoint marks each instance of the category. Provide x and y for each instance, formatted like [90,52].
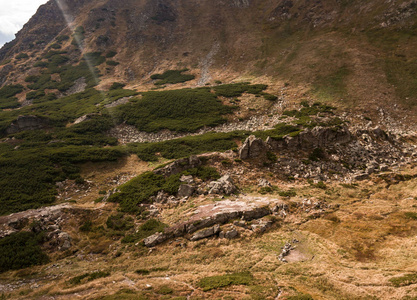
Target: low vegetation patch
[307,110]
[7,96]
[143,187]
[29,173]
[150,227]
[172,76]
[187,146]
[87,277]
[215,282]
[404,280]
[185,110]
[279,131]
[21,250]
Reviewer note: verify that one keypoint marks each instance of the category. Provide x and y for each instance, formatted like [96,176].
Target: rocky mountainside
[354,51]
[223,149]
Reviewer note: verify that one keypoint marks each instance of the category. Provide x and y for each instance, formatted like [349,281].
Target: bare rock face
[26,123]
[155,239]
[205,233]
[185,190]
[315,138]
[252,147]
[179,166]
[222,186]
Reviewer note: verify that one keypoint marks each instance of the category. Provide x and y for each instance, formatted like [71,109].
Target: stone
[285,251]
[205,233]
[231,234]
[222,186]
[155,239]
[187,179]
[360,176]
[256,213]
[263,183]
[26,123]
[185,190]
[252,148]
[161,197]
[179,166]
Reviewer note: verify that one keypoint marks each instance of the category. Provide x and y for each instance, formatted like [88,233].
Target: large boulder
[155,239]
[179,166]
[185,190]
[26,123]
[252,147]
[222,186]
[205,233]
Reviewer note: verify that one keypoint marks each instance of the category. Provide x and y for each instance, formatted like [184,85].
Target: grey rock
[263,183]
[257,213]
[185,190]
[252,147]
[155,239]
[231,234]
[179,165]
[222,186]
[26,123]
[188,179]
[205,233]
[360,176]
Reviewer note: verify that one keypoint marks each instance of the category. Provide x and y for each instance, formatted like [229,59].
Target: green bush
[41,64]
[62,38]
[185,110]
[22,56]
[410,215]
[187,146]
[317,154]
[165,290]
[9,91]
[309,110]
[172,76]
[119,222]
[56,46]
[7,96]
[150,227]
[138,191]
[88,277]
[78,36]
[111,54]
[300,297]
[117,86]
[270,97]
[214,282]
[35,95]
[87,226]
[112,63]
[94,58]
[29,173]
[404,280]
[279,131]
[21,250]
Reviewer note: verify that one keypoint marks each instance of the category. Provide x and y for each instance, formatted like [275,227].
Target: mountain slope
[360,50]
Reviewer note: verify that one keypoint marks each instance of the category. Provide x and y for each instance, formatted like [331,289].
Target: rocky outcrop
[179,166]
[209,218]
[185,190]
[26,123]
[222,186]
[205,233]
[155,239]
[318,137]
[252,147]
[48,220]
